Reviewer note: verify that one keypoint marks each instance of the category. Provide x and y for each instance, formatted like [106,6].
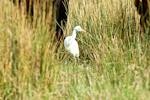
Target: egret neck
[74,34]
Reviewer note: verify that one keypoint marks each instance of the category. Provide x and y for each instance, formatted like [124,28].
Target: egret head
[78,28]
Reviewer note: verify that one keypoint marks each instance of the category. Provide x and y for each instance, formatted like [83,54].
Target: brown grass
[114,62]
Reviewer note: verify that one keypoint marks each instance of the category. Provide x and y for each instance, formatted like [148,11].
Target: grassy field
[114,62]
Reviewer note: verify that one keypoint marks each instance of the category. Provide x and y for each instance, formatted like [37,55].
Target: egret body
[71,44]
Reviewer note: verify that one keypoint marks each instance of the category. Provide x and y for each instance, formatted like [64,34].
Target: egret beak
[83,31]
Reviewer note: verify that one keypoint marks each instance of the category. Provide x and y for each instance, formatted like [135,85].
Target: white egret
[71,44]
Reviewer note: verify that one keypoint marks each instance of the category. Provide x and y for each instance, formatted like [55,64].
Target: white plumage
[71,44]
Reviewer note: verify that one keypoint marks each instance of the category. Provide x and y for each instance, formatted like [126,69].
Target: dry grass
[114,60]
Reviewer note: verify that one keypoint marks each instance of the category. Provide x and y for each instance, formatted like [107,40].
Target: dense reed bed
[114,57]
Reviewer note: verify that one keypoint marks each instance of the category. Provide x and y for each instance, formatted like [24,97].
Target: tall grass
[113,62]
